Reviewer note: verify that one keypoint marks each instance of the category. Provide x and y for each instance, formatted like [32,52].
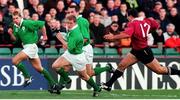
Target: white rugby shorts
[78,61]
[31,50]
[88,51]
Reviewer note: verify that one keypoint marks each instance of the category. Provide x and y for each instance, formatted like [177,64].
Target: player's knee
[90,73]
[54,66]
[14,62]
[84,77]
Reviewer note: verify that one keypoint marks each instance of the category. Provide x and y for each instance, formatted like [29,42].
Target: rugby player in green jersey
[87,48]
[26,31]
[74,55]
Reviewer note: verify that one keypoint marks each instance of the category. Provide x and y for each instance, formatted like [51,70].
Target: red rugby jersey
[138,30]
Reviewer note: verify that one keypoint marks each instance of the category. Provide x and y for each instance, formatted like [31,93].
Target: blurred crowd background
[104,16]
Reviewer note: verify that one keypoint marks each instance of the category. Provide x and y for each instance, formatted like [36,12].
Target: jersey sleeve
[84,27]
[34,25]
[129,29]
[71,43]
[154,24]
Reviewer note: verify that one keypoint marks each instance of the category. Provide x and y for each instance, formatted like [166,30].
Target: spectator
[56,27]
[97,30]
[105,19]
[133,4]
[83,9]
[53,13]
[158,36]
[8,15]
[64,25]
[26,14]
[98,8]
[91,5]
[33,6]
[114,18]
[175,19]
[155,12]
[122,15]
[110,8]
[173,42]
[112,29]
[4,37]
[4,6]
[67,3]
[41,12]
[170,30]
[14,2]
[35,16]
[60,10]
[91,17]
[164,21]
[170,4]
[48,18]
[117,4]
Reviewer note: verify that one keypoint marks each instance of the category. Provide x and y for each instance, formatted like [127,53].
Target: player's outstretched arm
[61,39]
[112,37]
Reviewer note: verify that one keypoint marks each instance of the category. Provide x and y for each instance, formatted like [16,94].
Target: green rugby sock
[61,81]
[93,84]
[48,77]
[21,67]
[63,74]
[99,70]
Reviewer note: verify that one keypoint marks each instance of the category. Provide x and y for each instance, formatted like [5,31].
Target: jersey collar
[20,23]
[73,27]
[78,16]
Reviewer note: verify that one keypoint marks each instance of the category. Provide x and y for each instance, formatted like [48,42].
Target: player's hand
[109,37]
[45,38]
[10,31]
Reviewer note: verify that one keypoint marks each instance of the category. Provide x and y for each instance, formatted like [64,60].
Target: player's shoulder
[82,19]
[150,19]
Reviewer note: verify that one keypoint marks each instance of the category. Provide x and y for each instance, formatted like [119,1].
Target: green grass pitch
[87,94]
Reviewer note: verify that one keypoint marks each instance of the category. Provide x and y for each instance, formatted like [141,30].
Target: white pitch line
[126,95]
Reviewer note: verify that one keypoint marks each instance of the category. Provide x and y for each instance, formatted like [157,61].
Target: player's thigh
[156,67]
[36,63]
[127,61]
[19,57]
[60,62]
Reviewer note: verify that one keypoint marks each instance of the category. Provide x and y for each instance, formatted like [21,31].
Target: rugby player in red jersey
[137,29]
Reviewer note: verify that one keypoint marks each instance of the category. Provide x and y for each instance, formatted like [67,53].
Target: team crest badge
[23,28]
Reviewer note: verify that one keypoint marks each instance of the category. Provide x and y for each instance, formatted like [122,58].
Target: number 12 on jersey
[143,26]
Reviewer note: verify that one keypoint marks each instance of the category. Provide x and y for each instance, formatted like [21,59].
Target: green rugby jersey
[27,31]
[75,40]
[84,28]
